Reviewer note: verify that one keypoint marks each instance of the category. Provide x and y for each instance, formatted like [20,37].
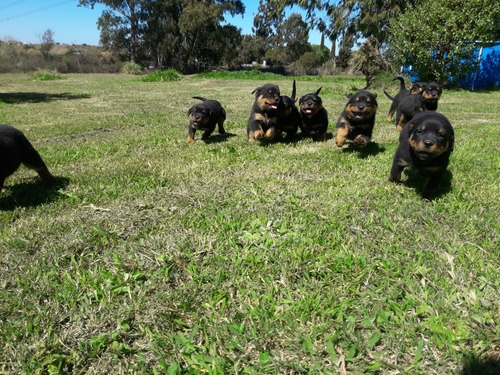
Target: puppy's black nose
[428,142]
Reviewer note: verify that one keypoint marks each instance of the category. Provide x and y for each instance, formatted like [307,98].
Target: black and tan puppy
[425,143]
[426,100]
[15,149]
[314,116]
[415,88]
[264,114]
[289,119]
[204,116]
[357,120]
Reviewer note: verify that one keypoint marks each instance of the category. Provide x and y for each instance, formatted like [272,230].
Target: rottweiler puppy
[415,88]
[15,149]
[289,119]
[357,120]
[205,116]
[425,100]
[425,143]
[314,116]
[264,114]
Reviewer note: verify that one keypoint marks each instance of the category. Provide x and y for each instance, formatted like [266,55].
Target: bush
[308,63]
[162,76]
[131,68]
[44,76]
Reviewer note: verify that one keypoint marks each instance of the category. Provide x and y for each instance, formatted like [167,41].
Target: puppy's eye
[419,131]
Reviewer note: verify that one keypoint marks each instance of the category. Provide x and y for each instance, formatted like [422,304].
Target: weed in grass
[162,76]
[42,76]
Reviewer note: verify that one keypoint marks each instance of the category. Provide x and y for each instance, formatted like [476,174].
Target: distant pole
[477,70]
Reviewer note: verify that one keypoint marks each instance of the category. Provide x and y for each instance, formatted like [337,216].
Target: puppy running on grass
[357,120]
[264,114]
[15,149]
[204,116]
[314,116]
[425,144]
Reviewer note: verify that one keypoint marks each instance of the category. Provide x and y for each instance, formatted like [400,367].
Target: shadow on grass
[371,149]
[36,97]
[488,365]
[219,138]
[416,181]
[31,194]
[295,139]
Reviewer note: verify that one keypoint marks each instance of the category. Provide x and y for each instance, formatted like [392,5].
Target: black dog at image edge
[15,149]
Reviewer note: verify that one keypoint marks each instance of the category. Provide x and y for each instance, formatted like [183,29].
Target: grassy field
[154,256]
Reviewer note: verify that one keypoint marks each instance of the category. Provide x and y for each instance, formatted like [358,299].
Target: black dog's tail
[294,91]
[199,98]
[390,97]
[401,86]
[401,82]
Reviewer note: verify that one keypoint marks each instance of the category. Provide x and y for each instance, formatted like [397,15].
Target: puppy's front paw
[361,140]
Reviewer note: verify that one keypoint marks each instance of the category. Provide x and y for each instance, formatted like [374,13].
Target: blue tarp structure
[487,77]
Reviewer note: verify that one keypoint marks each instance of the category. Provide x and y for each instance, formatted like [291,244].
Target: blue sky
[27,20]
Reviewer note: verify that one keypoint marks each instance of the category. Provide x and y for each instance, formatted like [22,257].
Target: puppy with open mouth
[357,120]
[314,116]
[264,114]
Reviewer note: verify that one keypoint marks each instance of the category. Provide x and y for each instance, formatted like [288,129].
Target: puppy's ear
[257,89]
[374,95]
[318,90]
[348,96]
[190,110]
[452,140]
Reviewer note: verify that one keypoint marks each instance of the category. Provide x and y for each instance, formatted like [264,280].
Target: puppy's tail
[199,98]
[401,82]
[387,94]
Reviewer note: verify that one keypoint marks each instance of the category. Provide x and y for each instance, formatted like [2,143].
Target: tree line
[439,39]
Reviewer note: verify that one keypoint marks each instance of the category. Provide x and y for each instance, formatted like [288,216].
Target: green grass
[162,76]
[154,256]
[42,76]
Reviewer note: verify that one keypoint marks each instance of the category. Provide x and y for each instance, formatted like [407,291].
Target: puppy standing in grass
[15,149]
[205,116]
[357,120]
[425,143]
[264,114]
[415,88]
[426,100]
[314,116]
[288,115]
